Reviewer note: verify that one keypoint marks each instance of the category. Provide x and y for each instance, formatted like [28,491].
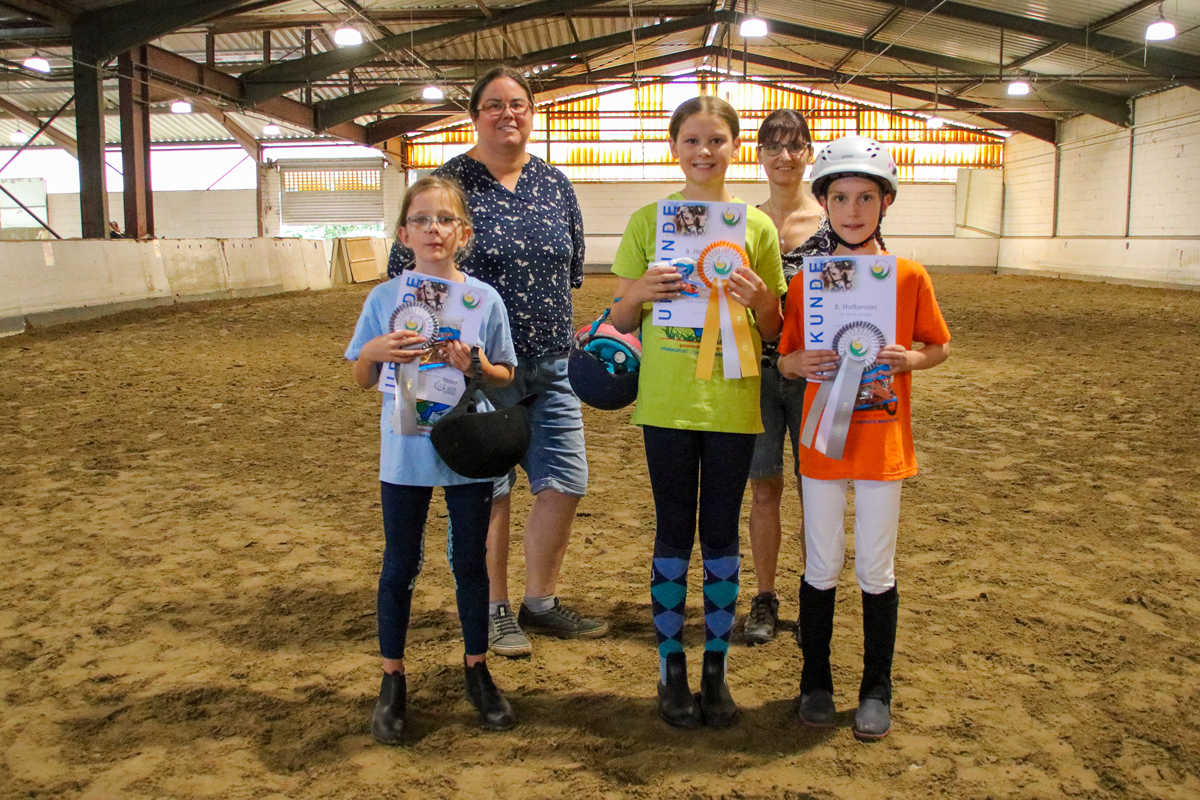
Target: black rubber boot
[387,721]
[494,709]
[815,632]
[676,703]
[715,701]
[873,719]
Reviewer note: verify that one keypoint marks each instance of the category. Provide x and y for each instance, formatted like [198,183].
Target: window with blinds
[321,192]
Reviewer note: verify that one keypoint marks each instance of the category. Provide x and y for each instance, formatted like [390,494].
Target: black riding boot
[387,721]
[716,702]
[873,719]
[676,703]
[815,633]
[494,709]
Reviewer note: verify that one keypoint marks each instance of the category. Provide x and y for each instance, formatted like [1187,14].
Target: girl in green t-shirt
[699,434]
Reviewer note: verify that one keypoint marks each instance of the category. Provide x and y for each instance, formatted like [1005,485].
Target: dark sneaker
[505,637]
[759,627]
[816,709]
[873,720]
[561,622]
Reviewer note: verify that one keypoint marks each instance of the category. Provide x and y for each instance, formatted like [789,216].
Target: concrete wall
[53,281]
[1126,206]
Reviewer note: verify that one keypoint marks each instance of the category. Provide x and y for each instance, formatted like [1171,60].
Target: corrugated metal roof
[909,27]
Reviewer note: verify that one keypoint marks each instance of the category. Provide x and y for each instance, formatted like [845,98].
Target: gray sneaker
[561,622]
[759,627]
[505,637]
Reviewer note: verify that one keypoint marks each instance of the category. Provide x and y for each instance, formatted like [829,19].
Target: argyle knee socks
[668,596]
[720,596]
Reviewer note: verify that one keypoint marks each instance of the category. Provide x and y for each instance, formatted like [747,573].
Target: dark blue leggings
[405,509]
[710,466]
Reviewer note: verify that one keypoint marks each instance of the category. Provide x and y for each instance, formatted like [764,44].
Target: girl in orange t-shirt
[855,180]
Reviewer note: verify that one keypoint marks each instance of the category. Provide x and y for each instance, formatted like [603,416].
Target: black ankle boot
[715,701]
[387,722]
[815,631]
[676,703]
[494,709]
[873,719]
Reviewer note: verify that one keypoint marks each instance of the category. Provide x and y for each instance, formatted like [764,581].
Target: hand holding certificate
[850,309]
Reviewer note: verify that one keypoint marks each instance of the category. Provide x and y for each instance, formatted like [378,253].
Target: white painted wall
[1128,201]
[1166,165]
[1028,187]
[1093,177]
[177,215]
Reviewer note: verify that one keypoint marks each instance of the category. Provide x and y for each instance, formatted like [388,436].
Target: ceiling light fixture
[181,107]
[1018,89]
[18,136]
[39,64]
[753,28]
[270,129]
[346,36]
[933,123]
[1160,30]
[433,93]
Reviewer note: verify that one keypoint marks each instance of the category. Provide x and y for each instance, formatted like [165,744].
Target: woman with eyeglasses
[529,246]
[784,151]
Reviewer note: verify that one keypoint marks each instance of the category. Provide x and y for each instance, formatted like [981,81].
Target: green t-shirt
[669,395]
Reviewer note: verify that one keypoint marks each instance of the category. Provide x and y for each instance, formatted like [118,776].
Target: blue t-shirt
[411,460]
[528,245]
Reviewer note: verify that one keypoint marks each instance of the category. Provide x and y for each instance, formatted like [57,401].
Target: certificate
[849,307]
[684,229]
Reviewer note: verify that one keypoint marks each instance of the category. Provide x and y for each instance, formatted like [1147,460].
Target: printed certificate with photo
[684,230]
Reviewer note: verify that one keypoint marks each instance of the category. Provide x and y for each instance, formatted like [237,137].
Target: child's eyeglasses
[793,148]
[496,107]
[425,223]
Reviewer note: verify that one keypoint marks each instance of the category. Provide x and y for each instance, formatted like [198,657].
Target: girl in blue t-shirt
[436,225]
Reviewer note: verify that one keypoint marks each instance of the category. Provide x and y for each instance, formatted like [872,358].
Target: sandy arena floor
[190,525]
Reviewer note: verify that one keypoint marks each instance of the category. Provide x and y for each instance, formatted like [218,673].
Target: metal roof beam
[1159,60]
[242,23]
[1031,124]
[1108,107]
[58,137]
[106,32]
[240,135]
[57,15]
[285,76]
[171,70]
[349,107]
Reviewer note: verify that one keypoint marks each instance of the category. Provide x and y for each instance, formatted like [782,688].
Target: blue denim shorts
[782,403]
[556,458]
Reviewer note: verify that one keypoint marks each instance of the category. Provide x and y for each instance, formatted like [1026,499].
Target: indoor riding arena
[190,510]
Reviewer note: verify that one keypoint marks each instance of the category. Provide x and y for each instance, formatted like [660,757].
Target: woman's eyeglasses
[496,107]
[793,148]
[425,223]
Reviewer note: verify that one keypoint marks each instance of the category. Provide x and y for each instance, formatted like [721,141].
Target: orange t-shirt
[879,446]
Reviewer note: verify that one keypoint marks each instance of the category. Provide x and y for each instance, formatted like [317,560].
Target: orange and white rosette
[726,318]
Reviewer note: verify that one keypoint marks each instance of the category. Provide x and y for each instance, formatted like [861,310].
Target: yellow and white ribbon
[725,318]
[828,420]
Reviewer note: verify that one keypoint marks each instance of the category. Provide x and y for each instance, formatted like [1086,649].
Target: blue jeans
[782,405]
[556,458]
[405,509]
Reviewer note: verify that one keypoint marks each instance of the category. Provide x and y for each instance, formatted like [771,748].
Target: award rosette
[413,317]
[725,318]
[828,421]
[410,317]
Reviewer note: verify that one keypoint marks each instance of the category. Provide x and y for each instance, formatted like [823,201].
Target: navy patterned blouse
[528,245]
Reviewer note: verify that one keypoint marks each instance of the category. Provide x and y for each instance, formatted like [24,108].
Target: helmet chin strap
[851,245]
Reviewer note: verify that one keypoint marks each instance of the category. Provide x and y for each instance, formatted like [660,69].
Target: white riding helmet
[859,155]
